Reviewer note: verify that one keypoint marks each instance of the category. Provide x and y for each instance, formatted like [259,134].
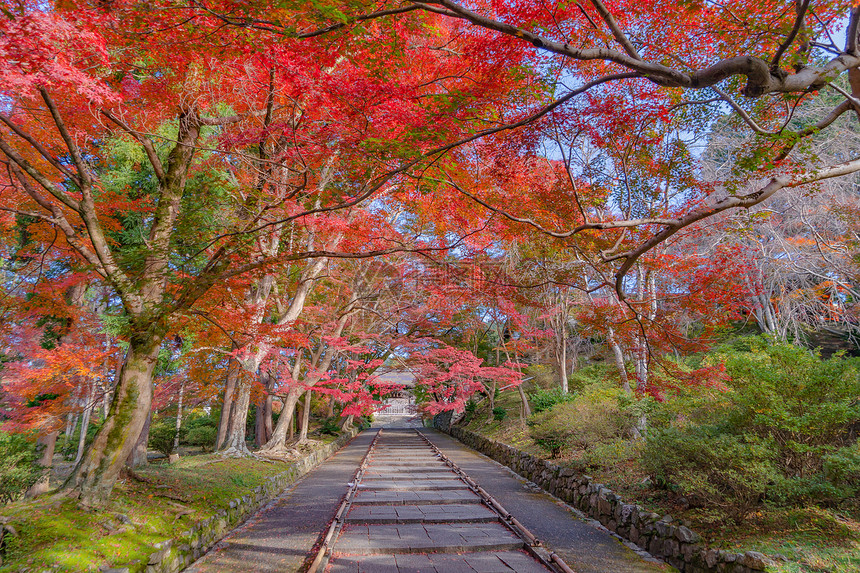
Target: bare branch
[760,80]
[83,170]
[57,218]
[744,201]
[615,29]
[599,225]
[40,148]
[743,113]
[39,177]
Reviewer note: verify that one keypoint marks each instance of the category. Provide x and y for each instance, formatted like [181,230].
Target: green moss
[56,532]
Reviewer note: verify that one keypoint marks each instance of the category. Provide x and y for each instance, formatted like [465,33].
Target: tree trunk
[259,428]
[562,363]
[268,425]
[279,434]
[526,409]
[137,457]
[306,416]
[619,361]
[233,367]
[95,475]
[179,414]
[47,442]
[292,424]
[267,408]
[234,440]
[71,424]
[85,424]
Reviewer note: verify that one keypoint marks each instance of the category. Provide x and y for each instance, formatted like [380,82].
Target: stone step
[389,475]
[489,562]
[410,485]
[410,454]
[403,476]
[428,537]
[430,513]
[429,497]
[408,468]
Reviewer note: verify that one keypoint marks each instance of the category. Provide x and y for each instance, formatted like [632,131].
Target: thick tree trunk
[263,418]
[292,424]
[234,440]
[47,442]
[268,424]
[261,435]
[233,368]
[137,457]
[94,477]
[278,440]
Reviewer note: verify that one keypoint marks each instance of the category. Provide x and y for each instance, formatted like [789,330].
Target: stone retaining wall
[662,537]
[176,554]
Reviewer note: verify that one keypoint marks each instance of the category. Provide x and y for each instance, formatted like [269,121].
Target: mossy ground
[812,539]
[55,534]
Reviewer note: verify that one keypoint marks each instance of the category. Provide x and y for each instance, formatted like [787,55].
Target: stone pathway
[412,513]
[389,527]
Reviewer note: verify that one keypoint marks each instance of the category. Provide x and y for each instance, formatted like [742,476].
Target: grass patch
[55,533]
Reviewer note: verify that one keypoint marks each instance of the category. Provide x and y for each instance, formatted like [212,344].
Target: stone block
[685,535]
[712,557]
[756,561]
[664,529]
[671,548]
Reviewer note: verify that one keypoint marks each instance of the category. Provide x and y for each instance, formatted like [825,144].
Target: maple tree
[531,171]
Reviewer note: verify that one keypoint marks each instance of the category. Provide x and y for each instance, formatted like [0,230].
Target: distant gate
[400,403]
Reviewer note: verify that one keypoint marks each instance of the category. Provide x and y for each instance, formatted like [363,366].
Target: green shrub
[162,434]
[499,413]
[726,474]
[843,466]
[610,455]
[597,416]
[804,404]
[543,400]
[200,431]
[202,437]
[18,469]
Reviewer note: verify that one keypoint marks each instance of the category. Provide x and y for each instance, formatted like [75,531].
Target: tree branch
[615,29]
[798,24]
[744,201]
[146,142]
[83,171]
[39,177]
[38,147]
